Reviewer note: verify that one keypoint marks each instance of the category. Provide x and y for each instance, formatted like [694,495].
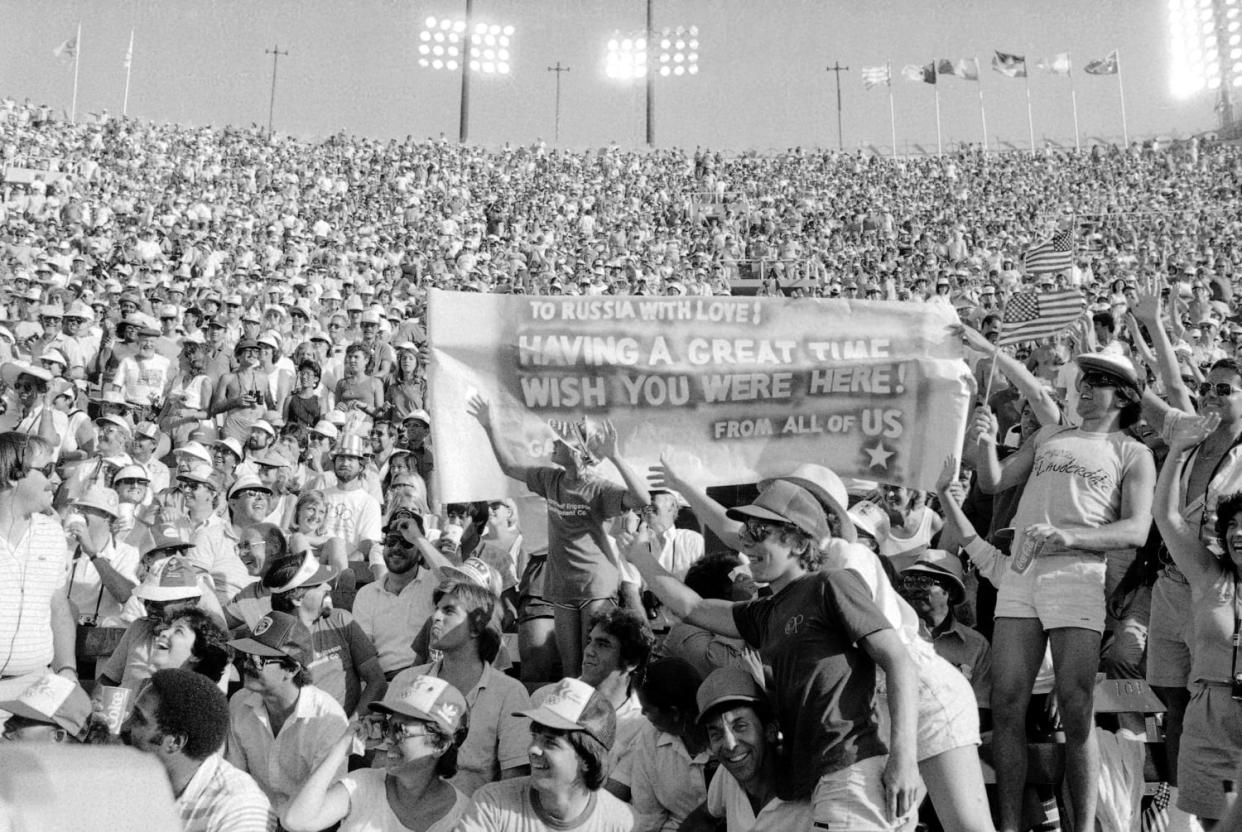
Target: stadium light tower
[628,58]
[1207,50]
[453,43]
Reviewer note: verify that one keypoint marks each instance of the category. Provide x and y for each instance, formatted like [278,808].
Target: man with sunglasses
[393,608]
[1088,491]
[281,726]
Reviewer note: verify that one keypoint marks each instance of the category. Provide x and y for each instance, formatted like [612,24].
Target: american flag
[873,76]
[1156,815]
[1032,315]
[1052,255]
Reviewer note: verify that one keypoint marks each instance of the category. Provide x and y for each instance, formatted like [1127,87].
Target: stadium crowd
[221,543]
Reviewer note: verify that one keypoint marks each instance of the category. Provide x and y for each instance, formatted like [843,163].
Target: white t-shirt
[369,810]
[354,516]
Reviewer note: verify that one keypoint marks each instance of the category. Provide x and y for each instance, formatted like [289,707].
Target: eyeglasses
[918,582]
[27,387]
[46,470]
[1096,381]
[1221,389]
[395,731]
[260,662]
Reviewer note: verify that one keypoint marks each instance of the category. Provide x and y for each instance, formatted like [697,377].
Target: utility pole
[558,69]
[650,77]
[463,111]
[838,69]
[271,107]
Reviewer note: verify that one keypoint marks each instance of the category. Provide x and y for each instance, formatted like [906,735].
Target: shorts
[1059,590]
[852,800]
[531,604]
[1211,747]
[1169,633]
[948,713]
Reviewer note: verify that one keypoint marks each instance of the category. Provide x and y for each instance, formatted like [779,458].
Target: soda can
[111,706]
[1027,552]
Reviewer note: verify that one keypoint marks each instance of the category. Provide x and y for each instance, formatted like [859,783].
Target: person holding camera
[242,396]
[1212,732]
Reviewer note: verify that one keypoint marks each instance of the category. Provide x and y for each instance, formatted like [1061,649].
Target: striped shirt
[221,798]
[32,569]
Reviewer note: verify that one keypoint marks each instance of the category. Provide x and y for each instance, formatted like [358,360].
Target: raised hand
[1150,292]
[480,408]
[664,475]
[948,473]
[602,440]
[1188,431]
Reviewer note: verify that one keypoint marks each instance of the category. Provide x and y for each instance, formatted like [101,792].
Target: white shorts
[852,800]
[948,711]
[1059,590]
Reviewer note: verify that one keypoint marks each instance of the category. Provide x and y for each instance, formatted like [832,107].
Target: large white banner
[746,387]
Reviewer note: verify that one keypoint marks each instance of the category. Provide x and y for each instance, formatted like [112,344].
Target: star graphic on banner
[879,456]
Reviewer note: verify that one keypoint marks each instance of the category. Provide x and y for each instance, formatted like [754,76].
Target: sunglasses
[126,483]
[27,387]
[1221,389]
[1097,381]
[918,582]
[759,531]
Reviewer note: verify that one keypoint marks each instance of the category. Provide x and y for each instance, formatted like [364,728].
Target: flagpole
[892,117]
[1121,93]
[1069,73]
[982,116]
[936,90]
[77,57]
[129,66]
[1030,122]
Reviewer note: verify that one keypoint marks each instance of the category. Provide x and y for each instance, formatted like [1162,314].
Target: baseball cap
[727,684]
[325,428]
[310,573]
[573,705]
[277,634]
[940,564]
[54,700]
[472,571]
[426,698]
[101,499]
[265,426]
[785,502]
[824,485]
[150,430]
[172,580]
[231,444]
[271,458]
[871,518]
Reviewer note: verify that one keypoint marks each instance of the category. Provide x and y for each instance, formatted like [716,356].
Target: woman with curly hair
[194,641]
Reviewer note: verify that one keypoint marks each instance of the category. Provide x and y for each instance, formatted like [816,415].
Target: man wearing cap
[51,709]
[281,726]
[742,735]
[675,549]
[417,441]
[213,538]
[381,354]
[933,587]
[105,570]
[572,733]
[353,512]
[142,449]
[144,375]
[1088,491]
[274,471]
[182,719]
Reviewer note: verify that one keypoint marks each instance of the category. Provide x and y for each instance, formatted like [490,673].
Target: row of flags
[1009,65]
